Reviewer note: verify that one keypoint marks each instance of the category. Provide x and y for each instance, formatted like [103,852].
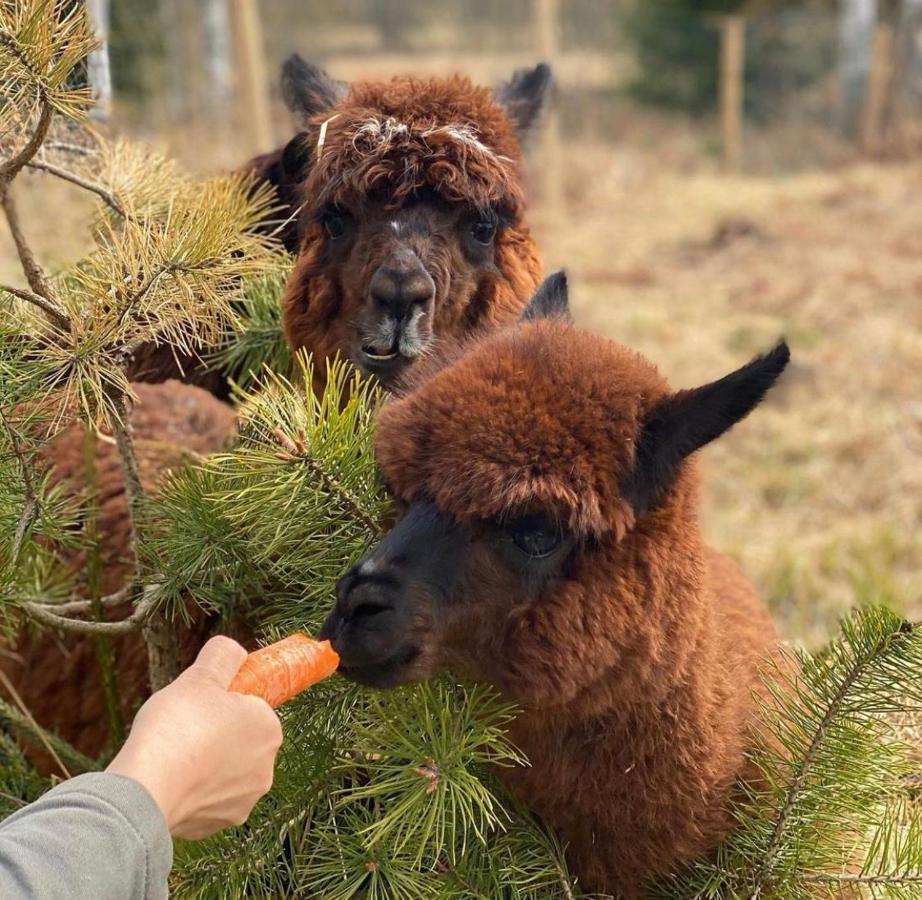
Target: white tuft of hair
[379,134]
[375,132]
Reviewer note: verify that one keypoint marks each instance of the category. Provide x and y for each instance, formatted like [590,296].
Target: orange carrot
[284,669]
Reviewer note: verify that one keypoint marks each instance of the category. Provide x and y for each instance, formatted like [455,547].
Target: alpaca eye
[536,537]
[335,226]
[483,232]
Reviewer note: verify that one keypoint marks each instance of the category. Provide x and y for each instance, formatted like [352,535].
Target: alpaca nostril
[369,610]
[367,599]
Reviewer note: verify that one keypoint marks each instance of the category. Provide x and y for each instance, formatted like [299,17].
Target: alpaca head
[522,470]
[410,222]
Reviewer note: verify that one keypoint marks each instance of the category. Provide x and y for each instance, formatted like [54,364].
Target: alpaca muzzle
[387,605]
[397,323]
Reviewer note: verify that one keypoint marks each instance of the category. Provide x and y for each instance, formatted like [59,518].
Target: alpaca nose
[401,284]
[365,610]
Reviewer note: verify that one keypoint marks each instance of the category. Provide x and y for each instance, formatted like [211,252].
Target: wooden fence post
[879,78]
[252,74]
[732,73]
[547,25]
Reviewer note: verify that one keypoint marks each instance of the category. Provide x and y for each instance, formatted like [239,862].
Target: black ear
[686,421]
[524,95]
[551,300]
[307,89]
[296,158]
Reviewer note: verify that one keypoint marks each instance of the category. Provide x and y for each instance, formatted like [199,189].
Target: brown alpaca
[58,678]
[549,545]
[404,202]
[409,209]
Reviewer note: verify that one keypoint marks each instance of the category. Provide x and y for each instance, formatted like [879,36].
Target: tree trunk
[856,34]
[218,65]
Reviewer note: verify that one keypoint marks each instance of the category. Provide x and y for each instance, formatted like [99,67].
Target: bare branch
[40,613]
[44,305]
[106,196]
[34,273]
[78,607]
[44,613]
[162,652]
[11,168]
[65,147]
[124,443]
[846,878]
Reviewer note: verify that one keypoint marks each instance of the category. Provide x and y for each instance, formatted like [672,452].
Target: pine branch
[34,273]
[26,720]
[139,619]
[67,147]
[870,880]
[78,607]
[105,656]
[833,793]
[124,443]
[162,651]
[105,195]
[13,166]
[37,300]
[69,760]
[295,451]
[761,880]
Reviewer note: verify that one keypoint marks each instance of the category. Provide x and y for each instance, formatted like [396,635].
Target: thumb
[218,661]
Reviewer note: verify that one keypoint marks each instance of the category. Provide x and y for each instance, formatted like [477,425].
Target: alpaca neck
[640,759]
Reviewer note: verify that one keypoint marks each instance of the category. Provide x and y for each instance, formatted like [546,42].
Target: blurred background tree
[677,49]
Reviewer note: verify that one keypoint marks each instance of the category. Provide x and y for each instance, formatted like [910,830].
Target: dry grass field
[819,495]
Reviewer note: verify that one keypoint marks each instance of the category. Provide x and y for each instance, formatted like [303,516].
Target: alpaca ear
[551,300]
[296,158]
[524,96]
[687,420]
[308,90]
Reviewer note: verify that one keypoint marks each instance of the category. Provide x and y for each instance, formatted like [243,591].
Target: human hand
[204,754]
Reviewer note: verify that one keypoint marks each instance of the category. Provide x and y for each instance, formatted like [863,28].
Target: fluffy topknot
[399,137]
[550,419]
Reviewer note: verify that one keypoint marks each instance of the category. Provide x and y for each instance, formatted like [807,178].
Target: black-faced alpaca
[408,207]
[549,545]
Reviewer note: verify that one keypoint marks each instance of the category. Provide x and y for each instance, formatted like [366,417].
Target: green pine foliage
[256,343]
[19,783]
[837,808]
[274,521]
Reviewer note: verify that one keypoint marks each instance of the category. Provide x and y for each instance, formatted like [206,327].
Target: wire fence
[821,81]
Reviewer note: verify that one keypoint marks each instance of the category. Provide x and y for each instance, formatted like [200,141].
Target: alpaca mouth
[375,354]
[387,673]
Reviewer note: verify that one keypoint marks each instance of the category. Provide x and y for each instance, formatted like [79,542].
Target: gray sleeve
[95,837]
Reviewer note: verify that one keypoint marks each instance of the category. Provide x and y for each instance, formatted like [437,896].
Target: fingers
[218,661]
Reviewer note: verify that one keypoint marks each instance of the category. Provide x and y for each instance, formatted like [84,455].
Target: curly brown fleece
[391,140]
[635,669]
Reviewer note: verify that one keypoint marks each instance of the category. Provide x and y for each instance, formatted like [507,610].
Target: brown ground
[820,494]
